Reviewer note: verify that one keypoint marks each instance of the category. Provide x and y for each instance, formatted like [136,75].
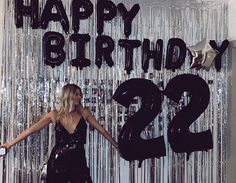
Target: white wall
[1,37]
[1,27]
[232,19]
[231,149]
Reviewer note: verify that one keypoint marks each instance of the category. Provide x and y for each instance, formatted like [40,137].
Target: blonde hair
[66,100]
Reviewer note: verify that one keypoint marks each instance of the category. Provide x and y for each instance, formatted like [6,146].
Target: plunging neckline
[74,130]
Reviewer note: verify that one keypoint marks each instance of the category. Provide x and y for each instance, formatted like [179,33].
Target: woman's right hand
[6,146]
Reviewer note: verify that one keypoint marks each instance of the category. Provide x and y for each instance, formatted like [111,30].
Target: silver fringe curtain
[29,89]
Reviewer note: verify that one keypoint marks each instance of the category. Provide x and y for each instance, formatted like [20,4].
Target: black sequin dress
[67,162]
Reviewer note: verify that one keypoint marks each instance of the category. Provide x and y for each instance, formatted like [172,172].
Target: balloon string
[188,154]
[140,163]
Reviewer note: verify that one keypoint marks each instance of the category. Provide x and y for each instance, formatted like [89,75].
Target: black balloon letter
[129,45]
[82,9]
[49,48]
[80,60]
[60,15]
[32,11]
[221,51]
[128,16]
[176,62]
[102,16]
[131,145]
[179,136]
[102,51]
[156,54]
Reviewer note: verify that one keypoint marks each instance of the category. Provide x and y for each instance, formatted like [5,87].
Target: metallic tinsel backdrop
[29,89]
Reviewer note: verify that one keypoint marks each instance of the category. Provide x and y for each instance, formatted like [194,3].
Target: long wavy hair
[66,100]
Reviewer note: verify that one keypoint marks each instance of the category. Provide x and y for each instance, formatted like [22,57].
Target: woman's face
[77,97]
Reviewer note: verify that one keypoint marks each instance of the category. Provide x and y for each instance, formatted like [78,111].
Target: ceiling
[171,2]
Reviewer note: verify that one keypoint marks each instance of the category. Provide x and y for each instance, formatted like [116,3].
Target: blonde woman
[67,162]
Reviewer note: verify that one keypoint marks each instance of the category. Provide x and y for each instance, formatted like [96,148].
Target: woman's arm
[48,118]
[92,120]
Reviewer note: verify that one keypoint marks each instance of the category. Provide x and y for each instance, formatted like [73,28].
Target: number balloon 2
[179,136]
[133,147]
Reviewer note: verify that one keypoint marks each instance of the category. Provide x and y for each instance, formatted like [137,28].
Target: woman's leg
[56,178]
[78,177]
[53,176]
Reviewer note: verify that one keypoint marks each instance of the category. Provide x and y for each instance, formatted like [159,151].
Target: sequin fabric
[67,162]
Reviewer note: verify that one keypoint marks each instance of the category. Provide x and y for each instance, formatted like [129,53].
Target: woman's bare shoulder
[85,111]
[53,115]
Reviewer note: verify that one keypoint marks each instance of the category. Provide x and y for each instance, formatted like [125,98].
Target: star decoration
[203,55]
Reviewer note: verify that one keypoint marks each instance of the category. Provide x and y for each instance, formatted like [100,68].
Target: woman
[67,162]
